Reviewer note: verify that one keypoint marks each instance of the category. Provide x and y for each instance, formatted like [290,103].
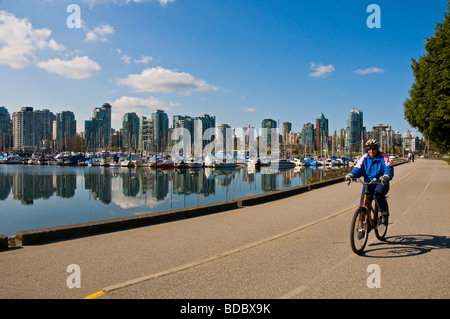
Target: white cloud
[77,68]
[126,58]
[126,104]
[19,41]
[321,70]
[141,106]
[100,33]
[166,81]
[249,109]
[369,71]
[144,59]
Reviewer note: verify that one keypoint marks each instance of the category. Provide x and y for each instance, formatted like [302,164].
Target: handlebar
[373,181]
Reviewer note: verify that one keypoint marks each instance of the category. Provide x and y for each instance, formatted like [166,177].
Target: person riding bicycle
[374,164]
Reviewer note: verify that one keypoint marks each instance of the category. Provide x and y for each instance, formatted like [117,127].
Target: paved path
[296,247]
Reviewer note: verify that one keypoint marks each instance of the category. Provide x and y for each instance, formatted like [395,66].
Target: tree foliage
[428,108]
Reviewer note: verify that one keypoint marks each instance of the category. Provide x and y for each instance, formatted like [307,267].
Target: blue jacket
[372,168]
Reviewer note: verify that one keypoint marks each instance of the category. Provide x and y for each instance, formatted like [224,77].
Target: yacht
[11,159]
[282,163]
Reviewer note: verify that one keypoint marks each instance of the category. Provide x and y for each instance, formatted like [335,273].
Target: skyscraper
[308,137]
[321,132]
[130,131]
[160,130]
[203,123]
[355,130]
[107,108]
[98,128]
[5,129]
[94,134]
[221,139]
[64,130]
[30,128]
[268,124]
[287,127]
[183,122]
[146,134]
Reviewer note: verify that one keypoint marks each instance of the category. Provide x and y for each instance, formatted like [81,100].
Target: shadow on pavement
[406,246]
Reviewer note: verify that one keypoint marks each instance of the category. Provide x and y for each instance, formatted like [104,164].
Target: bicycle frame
[367,204]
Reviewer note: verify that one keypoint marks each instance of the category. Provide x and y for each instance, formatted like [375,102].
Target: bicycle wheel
[381,229]
[359,233]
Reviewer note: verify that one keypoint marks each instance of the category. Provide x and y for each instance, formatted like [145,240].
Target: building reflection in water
[29,183]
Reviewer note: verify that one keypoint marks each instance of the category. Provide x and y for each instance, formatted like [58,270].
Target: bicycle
[364,220]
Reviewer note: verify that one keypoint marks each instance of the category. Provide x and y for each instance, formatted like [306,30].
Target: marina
[39,196]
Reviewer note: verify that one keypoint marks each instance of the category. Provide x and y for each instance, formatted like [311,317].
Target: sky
[240,60]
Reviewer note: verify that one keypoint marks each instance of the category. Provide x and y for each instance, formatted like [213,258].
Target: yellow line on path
[95,295]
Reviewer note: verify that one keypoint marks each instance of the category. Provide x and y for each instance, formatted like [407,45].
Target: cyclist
[374,164]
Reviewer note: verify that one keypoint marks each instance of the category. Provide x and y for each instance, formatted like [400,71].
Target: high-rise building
[160,130]
[5,129]
[107,108]
[44,119]
[268,124]
[94,134]
[321,132]
[98,128]
[183,122]
[130,131]
[116,139]
[221,139]
[287,127]
[355,130]
[64,130]
[308,137]
[146,134]
[30,128]
[203,123]
[409,142]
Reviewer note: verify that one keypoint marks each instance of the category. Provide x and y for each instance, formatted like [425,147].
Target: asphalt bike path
[297,247]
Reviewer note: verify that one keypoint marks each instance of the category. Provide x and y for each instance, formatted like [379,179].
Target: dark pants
[377,191]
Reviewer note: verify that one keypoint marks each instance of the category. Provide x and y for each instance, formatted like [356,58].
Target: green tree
[428,108]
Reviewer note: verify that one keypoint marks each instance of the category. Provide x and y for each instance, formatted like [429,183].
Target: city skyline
[242,62]
[32,128]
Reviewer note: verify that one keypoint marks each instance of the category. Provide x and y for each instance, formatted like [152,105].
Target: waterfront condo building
[64,130]
[308,137]
[32,130]
[160,131]
[5,129]
[321,133]
[97,130]
[355,131]
[130,131]
[268,124]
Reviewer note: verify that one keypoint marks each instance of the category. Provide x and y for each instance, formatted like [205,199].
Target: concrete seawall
[43,235]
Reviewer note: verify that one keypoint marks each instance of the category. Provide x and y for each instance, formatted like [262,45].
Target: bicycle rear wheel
[359,231]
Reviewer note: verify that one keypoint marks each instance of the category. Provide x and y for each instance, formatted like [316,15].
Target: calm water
[38,196]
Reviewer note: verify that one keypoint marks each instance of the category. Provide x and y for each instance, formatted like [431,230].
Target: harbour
[40,196]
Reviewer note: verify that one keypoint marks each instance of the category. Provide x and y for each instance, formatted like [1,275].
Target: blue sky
[242,61]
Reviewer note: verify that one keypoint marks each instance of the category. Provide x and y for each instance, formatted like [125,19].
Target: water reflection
[29,183]
[34,196]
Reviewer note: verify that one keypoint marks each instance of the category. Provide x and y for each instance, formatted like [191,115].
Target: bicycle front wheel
[359,232]
[381,229]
